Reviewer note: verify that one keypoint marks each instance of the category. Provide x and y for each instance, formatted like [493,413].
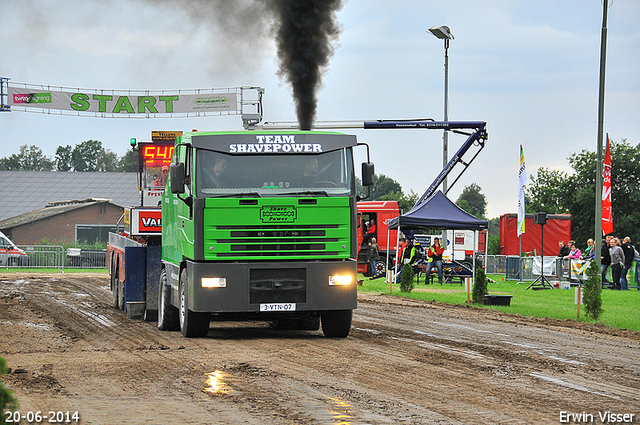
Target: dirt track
[405,362]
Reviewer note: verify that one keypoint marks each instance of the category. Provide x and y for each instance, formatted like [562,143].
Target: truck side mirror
[367,173]
[177,177]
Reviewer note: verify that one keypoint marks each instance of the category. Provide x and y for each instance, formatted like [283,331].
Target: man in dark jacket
[605,261]
[629,252]
[564,250]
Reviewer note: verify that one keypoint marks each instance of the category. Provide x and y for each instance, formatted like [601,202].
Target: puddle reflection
[217,383]
[341,412]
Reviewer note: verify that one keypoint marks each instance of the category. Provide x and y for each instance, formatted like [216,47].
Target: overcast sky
[530,69]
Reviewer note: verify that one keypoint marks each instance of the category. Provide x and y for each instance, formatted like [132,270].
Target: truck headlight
[214,282]
[340,280]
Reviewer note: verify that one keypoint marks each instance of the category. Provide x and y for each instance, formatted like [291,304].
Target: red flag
[607,214]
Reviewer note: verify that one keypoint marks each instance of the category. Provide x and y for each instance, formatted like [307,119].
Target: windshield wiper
[240,195]
[307,192]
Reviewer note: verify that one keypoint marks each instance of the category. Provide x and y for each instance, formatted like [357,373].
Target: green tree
[406,202]
[7,400]
[592,297]
[129,162]
[30,158]
[556,192]
[406,278]
[479,286]
[63,158]
[383,185]
[473,201]
[107,161]
[547,192]
[85,155]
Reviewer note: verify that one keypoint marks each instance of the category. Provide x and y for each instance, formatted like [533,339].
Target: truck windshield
[330,173]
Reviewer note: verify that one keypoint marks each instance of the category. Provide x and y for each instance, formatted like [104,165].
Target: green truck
[260,225]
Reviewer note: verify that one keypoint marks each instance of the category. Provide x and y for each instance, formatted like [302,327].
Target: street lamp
[443,32]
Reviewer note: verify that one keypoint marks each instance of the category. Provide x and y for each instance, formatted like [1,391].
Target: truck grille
[277,240]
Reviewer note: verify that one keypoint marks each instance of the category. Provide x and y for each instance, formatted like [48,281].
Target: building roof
[26,191]
[49,211]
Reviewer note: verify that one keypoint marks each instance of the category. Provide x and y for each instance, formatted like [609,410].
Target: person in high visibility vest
[434,253]
[408,258]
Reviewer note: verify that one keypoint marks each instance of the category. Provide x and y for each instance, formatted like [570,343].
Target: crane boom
[477,137]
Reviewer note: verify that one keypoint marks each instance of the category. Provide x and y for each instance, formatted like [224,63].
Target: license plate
[278,307]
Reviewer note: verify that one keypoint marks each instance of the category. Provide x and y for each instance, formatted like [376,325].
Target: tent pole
[473,260]
[388,277]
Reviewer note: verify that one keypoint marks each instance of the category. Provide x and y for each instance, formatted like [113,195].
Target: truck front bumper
[251,287]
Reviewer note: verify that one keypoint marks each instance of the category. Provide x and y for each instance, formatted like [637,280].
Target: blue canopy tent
[437,212]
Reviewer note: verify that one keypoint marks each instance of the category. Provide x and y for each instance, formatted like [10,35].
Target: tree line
[557,192]
[89,155]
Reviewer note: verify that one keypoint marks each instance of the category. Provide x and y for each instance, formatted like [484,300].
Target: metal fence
[54,256]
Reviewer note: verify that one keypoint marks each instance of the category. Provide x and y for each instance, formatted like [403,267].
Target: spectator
[403,244]
[435,259]
[373,256]
[617,262]
[636,258]
[605,260]
[408,258]
[574,252]
[589,253]
[564,250]
[629,251]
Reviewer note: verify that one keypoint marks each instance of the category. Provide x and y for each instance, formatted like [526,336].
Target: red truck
[380,212]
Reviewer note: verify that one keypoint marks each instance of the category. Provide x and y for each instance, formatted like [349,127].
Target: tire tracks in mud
[404,362]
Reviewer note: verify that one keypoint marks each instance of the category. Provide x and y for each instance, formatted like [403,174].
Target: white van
[10,254]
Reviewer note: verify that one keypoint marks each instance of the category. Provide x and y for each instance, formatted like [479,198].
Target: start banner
[125,103]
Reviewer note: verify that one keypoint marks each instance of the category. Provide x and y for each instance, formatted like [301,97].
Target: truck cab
[260,225]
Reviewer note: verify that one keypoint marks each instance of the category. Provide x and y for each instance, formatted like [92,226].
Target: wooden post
[391,282]
[578,299]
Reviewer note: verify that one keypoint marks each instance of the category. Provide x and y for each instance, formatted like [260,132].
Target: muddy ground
[405,362]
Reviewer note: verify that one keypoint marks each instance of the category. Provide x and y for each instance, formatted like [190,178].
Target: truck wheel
[336,323]
[120,293]
[192,324]
[381,266]
[114,285]
[167,314]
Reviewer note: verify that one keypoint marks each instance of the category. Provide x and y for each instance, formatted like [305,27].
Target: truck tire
[336,323]
[167,314]
[381,266]
[120,293]
[114,285]
[192,324]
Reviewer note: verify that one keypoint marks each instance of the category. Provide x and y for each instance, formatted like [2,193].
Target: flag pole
[522,181]
[599,165]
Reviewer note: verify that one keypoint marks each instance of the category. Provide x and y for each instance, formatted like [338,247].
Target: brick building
[72,221]
[33,204]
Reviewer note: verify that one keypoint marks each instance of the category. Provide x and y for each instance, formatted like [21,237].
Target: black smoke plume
[305,31]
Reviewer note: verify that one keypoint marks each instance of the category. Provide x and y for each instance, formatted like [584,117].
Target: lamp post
[443,32]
